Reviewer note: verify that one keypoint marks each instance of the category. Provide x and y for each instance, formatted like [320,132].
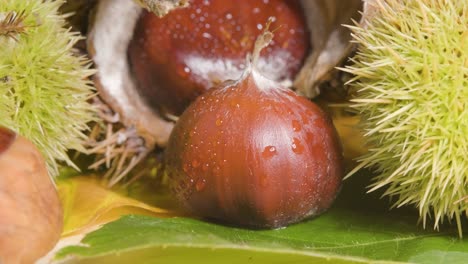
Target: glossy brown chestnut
[179,56]
[254,154]
[30,210]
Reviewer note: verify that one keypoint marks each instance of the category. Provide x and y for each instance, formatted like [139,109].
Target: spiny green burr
[44,84]
[411,91]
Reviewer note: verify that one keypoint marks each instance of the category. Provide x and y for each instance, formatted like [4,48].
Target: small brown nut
[30,210]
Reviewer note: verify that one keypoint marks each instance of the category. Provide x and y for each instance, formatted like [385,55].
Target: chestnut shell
[31,216]
[255,157]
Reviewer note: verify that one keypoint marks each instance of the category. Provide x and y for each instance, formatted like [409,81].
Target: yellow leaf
[87,204]
[351,136]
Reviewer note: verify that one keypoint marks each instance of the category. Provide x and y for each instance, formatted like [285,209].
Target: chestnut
[179,56]
[30,210]
[255,154]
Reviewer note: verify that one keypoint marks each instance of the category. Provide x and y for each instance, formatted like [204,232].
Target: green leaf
[358,229]
[339,236]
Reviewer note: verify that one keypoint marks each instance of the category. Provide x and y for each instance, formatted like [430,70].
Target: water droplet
[269,152]
[235,103]
[217,171]
[182,70]
[219,122]
[207,35]
[205,167]
[195,163]
[200,185]
[259,26]
[228,16]
[297,147]
[296,126]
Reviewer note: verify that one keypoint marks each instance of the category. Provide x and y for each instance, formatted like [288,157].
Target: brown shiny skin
[178,57]
[30,211]
[261,159]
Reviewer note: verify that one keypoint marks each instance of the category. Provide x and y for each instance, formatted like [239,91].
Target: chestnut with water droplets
[255,154]
[178,57]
